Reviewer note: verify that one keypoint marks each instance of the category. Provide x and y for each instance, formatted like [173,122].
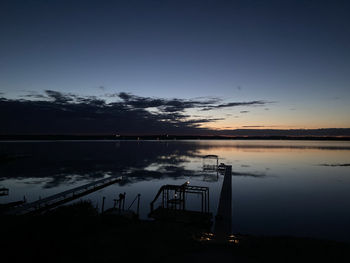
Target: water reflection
[279,187]
[74,161]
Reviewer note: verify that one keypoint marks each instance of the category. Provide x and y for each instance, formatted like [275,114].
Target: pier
[223,220]
[50,202]
[173,204]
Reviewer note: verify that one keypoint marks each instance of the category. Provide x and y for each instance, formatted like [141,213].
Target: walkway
[223,220]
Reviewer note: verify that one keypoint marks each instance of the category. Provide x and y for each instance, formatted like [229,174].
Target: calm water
[299,188]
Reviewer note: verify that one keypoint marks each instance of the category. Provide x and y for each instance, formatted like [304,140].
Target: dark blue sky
[293,55]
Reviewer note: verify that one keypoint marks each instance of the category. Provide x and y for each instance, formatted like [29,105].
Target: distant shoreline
[161,137]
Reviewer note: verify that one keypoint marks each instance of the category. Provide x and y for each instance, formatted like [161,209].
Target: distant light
[235,241]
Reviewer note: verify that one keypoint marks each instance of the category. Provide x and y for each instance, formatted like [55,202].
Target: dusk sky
[230,64]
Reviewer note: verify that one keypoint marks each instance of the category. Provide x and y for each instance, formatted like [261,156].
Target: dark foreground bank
[72,234]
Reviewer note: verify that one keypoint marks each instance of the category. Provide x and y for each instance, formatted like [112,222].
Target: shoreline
[72,238]
[78,233]
[19,138]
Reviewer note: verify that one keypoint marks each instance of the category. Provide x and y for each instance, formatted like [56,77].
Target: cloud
[101,87]
[34,96]
[340,132]
[336,164]
[58,97]
[164,105]
[236,104]
[260,126]
[55,112]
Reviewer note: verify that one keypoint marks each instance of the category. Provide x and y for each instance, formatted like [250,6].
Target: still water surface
[299,188]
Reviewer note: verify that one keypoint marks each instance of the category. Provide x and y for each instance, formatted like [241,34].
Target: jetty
[120,209]
[223,219]
[50,202]
[173,205]
[210,166]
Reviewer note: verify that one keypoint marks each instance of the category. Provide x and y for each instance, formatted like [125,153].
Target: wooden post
[103,204]
[208,201]
[184,200]
[138,204]
[202,201]
[205,201]
[167,197]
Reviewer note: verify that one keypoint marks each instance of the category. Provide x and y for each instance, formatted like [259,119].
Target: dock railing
[63,197]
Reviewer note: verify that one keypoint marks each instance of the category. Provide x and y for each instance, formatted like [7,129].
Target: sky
[230,64]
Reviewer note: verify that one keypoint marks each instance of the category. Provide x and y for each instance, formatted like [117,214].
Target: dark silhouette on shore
[78,233]
[345,136]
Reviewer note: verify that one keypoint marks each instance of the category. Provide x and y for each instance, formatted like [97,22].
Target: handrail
[68,194]
[138,196]
[157,195]
[170,187]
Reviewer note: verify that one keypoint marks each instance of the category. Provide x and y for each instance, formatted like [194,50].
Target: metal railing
[63,197]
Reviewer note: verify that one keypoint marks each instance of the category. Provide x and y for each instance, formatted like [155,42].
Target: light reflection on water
[299,188]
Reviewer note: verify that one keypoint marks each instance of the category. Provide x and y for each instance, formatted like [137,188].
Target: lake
[297,188]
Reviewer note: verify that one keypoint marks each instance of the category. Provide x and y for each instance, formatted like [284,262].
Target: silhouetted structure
[223,219]
[61,198]
[173,204]
[120,210]
[210,167]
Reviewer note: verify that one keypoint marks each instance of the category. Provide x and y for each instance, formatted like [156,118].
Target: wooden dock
[172,205]
[223,220]
[50,202]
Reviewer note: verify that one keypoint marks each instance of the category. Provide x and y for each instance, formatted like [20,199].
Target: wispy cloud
[253,126]
[164,105]
[336,164]
[236,104]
